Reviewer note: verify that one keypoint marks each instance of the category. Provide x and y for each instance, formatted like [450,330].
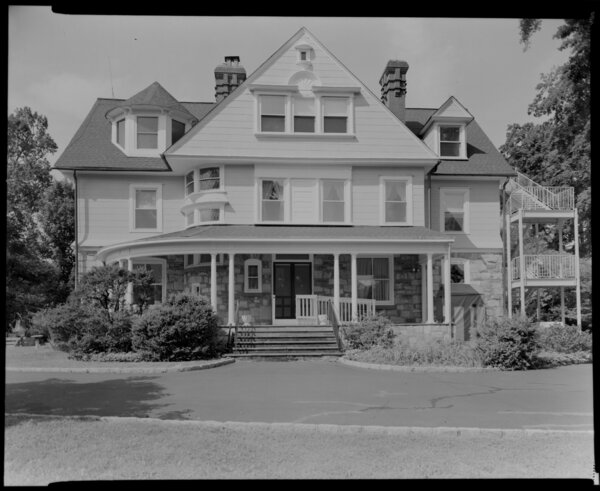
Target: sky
[60,64]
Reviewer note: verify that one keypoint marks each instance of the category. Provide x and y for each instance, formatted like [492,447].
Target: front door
[290,279]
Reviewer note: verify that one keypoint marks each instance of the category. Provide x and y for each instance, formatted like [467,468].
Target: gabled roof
[91,147]
[483,158]
[451,109]
[154,95]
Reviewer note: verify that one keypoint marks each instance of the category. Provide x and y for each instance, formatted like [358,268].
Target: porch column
[129,294]
[562,288]
[577,270]
[336,282]
[231,299]
[213,281]
[522,262]
[354,281]
[508,266]
[423,292]
[447,286]
[430,288]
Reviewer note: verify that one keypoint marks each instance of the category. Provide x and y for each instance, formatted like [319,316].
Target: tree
[557,152]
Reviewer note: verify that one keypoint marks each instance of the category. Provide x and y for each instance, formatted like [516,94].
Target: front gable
[301,71]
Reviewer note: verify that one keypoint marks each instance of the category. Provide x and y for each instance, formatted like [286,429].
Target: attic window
[121,132]
[303,55]
[147,132]
[177,130]
[450,141]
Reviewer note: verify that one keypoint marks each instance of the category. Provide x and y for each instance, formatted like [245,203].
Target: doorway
[290,279]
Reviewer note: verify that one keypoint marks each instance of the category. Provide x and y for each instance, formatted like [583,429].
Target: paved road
[319,392]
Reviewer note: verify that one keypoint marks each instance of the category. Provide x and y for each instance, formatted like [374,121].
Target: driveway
[320,391]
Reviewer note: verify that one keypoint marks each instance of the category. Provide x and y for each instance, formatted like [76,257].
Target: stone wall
[486,278]
[421,335]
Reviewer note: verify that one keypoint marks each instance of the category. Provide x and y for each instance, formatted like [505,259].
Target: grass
[38,452]
[47,357]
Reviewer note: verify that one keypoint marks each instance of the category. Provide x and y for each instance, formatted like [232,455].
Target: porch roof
[283,238]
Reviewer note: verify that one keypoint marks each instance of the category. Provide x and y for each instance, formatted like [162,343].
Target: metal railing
[529,195]
[545,267]
[334,321]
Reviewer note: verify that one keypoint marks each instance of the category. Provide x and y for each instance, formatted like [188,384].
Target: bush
[131,356]
[369,331]
[564,339]
[508,343]
[184,328]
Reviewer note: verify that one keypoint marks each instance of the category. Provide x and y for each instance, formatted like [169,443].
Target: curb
[448,431]
[131,369]
[423,369]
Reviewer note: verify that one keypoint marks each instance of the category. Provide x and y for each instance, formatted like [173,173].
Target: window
[121,132]
[209,215]
[395,201]
[450,142]
[158,269]
[272,113]
[335,114]
[189,183]
[146,209]
[177,130]
[303,55]
[272,201]
[193,260]
[375,278]
[252,276]
[459,271]
[333,201]
[454,210]
[209,179]
[147,132]
[189,218]
[304,115]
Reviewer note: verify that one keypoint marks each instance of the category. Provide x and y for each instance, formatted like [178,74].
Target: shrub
[508,343]
[370,331]
[131,356]
[184,328]
[564,339]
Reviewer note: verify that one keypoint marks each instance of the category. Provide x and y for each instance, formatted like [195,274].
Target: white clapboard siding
[304,202]
[366,193]
[484,211]
[239,185]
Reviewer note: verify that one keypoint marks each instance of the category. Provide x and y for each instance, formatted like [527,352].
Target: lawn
[45,450]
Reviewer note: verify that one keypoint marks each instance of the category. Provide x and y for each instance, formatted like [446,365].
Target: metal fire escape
[528,204]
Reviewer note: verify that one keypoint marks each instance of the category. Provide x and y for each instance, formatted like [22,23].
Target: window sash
[454,204]
[189,183]
[146,209]
[121,132]
[450,141]
[334,202]
[209,215]
[147,132]
[209,178]
[396,201]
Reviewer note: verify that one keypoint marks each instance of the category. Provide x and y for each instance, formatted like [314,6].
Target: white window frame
[409,200]
[122,144]
[196,186]
[247,264]
[466,214]
[287,124]
[158,143]
[285,200]
[465,263]
[346,184]
[159,215]
[196,260]
[293,116]
[462,154]
[390,258]
[349,113]
[170,133]
[137,261]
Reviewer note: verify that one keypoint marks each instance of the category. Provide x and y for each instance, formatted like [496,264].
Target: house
[297,189]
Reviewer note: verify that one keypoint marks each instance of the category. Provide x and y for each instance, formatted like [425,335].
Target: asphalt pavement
[318,392]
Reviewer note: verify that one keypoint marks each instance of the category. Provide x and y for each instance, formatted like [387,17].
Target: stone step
[256,335]
[286,341]
[285,355]
[289,347]
[285,329]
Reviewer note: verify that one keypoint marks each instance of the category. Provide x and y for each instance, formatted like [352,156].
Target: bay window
[189,183]
[374,276]
[209,178]
[147,132]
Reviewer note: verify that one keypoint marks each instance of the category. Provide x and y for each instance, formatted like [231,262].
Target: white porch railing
[529,195]
[311,306]
[545,267]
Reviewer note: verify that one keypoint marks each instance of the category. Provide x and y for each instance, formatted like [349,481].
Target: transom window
[272,113]
[454,210]
[335,114]
[333,201]
[304,115]
[147,132]
[374,278]
[272,200]
[121,132]
[177,130]
[450,142]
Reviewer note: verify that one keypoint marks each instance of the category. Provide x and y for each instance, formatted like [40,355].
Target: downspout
[76,231]
[433,169]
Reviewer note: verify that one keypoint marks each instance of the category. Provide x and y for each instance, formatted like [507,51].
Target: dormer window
[147,132]
[121,132]
[272,113]
[450,141]
[177,130]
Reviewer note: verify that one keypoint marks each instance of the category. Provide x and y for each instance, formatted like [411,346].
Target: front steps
[285,341]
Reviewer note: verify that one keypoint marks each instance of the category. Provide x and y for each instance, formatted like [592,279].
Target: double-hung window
[374,275]
[121,132]
[454,210]
[272,200]
[146,212]
[450,142]
[252,276]
[272,113]
[147,132]
[335,114]
[209,178]
[304,115]
[334,203]
[396,200]
[177,130]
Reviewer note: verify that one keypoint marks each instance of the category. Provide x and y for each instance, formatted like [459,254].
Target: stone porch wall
[421,335]
[486,278]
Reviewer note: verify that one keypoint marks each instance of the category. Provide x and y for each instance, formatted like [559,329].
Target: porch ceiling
[281,238]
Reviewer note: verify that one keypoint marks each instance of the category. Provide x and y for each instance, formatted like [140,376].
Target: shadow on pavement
[134,396]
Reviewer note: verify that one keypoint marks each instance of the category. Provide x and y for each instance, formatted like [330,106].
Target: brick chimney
[393,87]
[228,77]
